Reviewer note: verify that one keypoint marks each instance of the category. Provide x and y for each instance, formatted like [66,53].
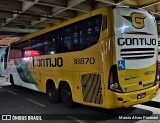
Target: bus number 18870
[84,60]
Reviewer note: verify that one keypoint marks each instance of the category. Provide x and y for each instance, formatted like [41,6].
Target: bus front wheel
[53,94]
[66,96]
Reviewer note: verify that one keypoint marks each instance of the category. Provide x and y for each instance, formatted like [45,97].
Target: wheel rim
[66,94]
[50,92]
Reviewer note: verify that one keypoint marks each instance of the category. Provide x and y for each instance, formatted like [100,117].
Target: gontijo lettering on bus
[48,62]
[136,41]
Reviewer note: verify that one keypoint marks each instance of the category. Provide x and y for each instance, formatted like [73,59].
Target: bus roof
[78,18]
[42,31]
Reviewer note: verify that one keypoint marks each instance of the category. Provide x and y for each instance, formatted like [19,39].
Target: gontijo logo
[137,19]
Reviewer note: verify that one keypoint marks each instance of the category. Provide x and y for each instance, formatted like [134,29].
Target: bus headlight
[115,87]
[113,80]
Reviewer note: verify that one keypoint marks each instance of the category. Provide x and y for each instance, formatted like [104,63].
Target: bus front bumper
[117,100]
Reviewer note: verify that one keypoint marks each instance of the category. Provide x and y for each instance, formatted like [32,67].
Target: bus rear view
[105,58]
[133,79]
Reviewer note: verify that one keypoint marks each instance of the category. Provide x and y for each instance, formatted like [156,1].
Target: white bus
[2,59]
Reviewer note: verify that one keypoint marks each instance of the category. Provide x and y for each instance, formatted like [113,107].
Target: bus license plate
[142,95]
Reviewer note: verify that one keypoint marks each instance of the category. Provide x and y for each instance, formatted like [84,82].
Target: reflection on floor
[89,115]
[3,82]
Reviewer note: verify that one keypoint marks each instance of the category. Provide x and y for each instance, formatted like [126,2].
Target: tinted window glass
[73,37]
[81,35]
[52,42]
[89,30]
[15,51]
[25,47]
[37,45]
[69,38]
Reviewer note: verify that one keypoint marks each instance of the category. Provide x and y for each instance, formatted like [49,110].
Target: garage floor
[157,98]
[22,101]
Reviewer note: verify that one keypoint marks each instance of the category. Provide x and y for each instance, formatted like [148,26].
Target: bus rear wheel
[66,96]
[53,94]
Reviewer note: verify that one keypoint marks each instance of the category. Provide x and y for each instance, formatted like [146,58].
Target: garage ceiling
[19,17]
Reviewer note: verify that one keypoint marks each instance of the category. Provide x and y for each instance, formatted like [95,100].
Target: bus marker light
[120,99]
[140,96]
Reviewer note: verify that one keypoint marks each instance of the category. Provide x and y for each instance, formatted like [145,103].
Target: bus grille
[137,53]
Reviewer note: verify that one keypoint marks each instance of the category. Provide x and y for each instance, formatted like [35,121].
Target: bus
[104,58]
[2,60]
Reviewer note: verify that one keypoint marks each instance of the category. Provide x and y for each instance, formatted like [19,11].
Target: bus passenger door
[36,79]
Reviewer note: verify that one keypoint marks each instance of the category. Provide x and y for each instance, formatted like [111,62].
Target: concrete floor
[23,101]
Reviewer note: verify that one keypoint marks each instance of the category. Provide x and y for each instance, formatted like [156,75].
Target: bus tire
[53,93]
[12,81]
[66,96]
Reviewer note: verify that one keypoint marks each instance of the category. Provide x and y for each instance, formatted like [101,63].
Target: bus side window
[37,46]
[69,36]
[90,31]
[26,49]
[15,51]
[52,40]
[75,41]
